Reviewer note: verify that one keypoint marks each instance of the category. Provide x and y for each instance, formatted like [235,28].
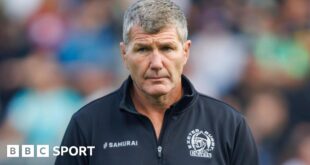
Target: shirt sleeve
[244,151]
[72,137]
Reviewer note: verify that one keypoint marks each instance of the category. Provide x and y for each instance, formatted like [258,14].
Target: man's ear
[186,49]
[123,52]
[123,49]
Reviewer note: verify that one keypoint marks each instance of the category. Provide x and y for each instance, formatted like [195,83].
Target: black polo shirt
[197,130]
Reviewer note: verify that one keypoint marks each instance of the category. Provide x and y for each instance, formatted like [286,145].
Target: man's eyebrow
[141,45]
[172,43]
[146,44]
[169,44]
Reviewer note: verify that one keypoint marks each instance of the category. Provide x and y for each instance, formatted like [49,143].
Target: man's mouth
[156,77]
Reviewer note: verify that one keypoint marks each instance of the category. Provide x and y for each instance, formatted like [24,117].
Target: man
[157,117]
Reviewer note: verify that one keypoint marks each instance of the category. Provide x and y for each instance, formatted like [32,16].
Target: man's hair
[154,15]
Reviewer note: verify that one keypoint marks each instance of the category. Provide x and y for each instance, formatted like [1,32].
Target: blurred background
[57,55]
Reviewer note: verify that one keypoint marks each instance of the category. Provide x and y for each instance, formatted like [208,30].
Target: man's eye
[167,48]
[142,49]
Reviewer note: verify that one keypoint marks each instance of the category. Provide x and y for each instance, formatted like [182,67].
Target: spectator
[39,112]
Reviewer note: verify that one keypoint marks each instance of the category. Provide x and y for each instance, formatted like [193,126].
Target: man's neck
[155,107]
[144,102]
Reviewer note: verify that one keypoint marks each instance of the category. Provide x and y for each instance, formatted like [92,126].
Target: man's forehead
[167,34]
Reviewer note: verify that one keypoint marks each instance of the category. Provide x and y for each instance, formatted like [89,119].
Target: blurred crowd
[58,55]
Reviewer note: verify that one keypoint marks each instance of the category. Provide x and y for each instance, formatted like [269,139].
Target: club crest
[200,143]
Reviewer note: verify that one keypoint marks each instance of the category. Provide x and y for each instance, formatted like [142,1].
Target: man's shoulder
[218,107]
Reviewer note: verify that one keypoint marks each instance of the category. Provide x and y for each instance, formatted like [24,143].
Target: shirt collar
[189,96]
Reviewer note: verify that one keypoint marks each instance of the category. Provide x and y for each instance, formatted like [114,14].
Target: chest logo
[127,143]
[200,143]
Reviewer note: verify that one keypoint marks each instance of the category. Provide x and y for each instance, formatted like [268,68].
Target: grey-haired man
[157,117]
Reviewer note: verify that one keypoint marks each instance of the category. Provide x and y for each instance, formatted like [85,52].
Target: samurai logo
[200,143]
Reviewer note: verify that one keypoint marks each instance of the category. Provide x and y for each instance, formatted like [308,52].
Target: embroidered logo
[200,143]
[127,143]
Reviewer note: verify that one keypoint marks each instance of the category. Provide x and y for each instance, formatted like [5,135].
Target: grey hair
[152,16]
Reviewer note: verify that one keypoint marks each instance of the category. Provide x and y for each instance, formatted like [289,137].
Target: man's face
[155,61]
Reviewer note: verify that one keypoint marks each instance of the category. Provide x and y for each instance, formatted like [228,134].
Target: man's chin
[156,92]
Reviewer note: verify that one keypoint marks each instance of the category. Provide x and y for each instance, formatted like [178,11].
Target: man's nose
[156,61]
